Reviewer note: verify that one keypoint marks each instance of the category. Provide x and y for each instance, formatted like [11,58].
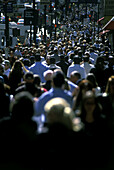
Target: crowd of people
[57,101]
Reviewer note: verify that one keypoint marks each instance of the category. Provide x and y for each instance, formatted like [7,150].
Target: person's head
[58,111]
[48,75]
[6,64]
[92,79]
[58,78]
[37,80]
[91,50]
[48,59]
[75,76]
[62,57]
[88,101]
[17,65]
[37,57]
[76,59]
[100,62]
[86,58]
[52,60]
[26,62]
[85,85]
[29,77]
[90,106]
[32,60]
[22,108]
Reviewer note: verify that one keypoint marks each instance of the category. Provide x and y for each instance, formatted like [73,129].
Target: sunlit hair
[110,80]
[58,111]
[18,65]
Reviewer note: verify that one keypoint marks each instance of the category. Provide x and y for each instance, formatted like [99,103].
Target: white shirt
[94,56]
[87,67]
[6,72]
[76,67]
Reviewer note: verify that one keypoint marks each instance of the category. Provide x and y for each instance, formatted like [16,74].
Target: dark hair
[83,85]
[29,75]
[22,108]
[58,78]
[37,79]
[98,109]
[92,79]
[52,60]
[77,74]
[37,57]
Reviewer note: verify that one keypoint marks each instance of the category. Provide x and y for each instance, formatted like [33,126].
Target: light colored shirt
[17,53]
[94,56]
[52,93]
[76,67]
[39,68]
[6,72]
[87,67]
[72,86]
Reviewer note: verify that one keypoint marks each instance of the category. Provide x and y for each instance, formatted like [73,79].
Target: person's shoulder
[20,88]
[72,66]
[45,94]
[72,84]
[33,65]
[92,65]
[44,64]
[67,93]
[81,67]
[93,70]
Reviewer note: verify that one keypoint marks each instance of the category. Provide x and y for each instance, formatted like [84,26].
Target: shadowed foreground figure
[17,134]
[61,137]
[66,142]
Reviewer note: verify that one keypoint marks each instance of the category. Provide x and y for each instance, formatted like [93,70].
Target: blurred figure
[7,67]
[92,79]
[48,77]
[84,85]
[63,64]
[75,77]
[76,66]
[93,55]
[16,75]
[29,85]
[11,58]
[6,80]
[18,134]
[94,128]
[52,65]
[26,63]
[58,81]
[87,64]
[17,52]
[38,67]
[62,131]
[91,111]
[99,72]
[38,84]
